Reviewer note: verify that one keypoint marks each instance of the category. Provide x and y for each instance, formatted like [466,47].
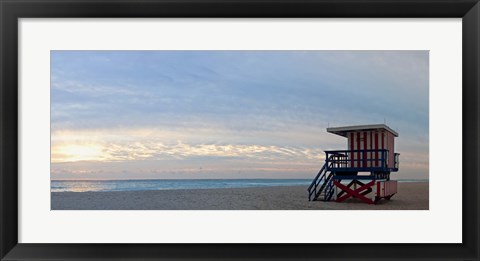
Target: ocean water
[164,184]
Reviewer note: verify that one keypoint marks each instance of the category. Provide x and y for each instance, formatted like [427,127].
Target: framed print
[253,130]
[200,145]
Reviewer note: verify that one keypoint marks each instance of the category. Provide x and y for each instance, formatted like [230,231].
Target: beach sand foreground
[410,196]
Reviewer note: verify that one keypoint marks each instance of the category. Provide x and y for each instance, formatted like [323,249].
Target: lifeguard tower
[367,164]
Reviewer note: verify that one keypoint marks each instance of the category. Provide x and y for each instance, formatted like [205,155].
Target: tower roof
[342,131]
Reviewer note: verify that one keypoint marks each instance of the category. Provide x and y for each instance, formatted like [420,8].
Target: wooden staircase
[322,185]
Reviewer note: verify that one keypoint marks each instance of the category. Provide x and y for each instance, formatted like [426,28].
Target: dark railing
[363,160]
[312,189]
[329,190]
[321,178]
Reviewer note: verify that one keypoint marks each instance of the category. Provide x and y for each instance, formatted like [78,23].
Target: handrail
[337,151]
[347,158]
[316,177]
[329,191]
[325,185]
[315,184]
[317,180]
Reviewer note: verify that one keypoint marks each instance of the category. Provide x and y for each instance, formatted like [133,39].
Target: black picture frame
[12,10]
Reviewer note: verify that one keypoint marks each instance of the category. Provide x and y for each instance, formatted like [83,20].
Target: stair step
[321,182]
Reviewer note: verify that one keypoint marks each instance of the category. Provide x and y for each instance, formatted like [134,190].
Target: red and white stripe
[369,140]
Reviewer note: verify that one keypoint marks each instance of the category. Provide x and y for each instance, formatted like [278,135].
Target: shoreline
[411,196]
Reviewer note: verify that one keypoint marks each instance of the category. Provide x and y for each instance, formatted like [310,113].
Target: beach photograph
[239,130]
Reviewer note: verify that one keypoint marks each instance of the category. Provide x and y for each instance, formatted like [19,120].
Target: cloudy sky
[229,114]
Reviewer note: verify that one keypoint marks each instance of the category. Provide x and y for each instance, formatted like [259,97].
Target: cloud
[109,151]
[274,105]
[309,87]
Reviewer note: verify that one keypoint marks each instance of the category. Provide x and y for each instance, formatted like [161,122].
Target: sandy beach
[410,196]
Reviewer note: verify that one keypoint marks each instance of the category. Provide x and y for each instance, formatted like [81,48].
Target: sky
[229,114]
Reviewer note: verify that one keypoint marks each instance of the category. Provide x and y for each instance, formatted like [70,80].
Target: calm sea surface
[163,184]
